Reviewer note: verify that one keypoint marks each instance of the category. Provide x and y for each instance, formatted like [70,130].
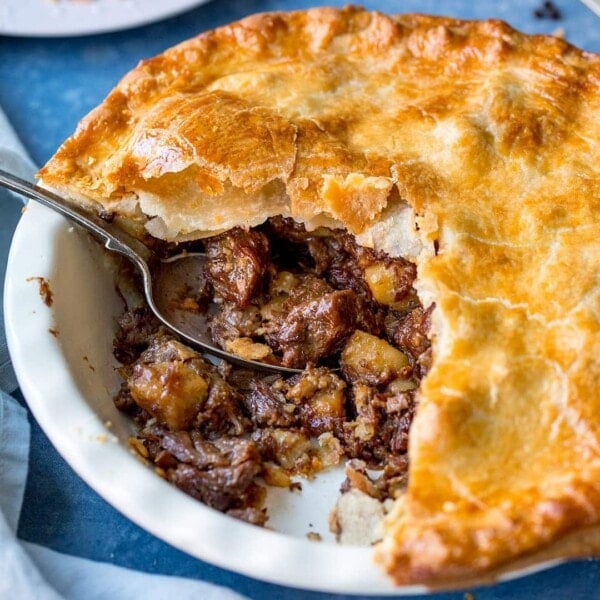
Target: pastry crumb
[138,447]
[356,519]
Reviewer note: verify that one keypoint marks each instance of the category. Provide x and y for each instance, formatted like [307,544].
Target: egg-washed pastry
[468,148]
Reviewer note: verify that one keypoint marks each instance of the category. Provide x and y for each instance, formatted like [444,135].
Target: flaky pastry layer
[407,131]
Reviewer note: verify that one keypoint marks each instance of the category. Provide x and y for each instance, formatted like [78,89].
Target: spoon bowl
[164,280]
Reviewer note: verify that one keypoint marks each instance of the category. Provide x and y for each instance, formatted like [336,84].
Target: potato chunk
[391,283]
[371,360]
[171,382]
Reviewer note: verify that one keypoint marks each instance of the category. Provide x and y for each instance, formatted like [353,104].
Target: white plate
[82,17]
[593,5]
[69,380]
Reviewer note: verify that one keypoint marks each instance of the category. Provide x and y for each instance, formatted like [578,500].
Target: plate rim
[22,18]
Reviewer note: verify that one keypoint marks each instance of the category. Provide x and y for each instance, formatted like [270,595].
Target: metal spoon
[163,279]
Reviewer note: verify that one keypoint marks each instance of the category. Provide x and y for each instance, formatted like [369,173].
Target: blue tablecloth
[46,86]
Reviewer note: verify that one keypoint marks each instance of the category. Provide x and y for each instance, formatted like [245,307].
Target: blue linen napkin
[29,571]
[19,578]
[14,159]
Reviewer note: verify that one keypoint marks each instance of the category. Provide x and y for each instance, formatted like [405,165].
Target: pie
[465,147]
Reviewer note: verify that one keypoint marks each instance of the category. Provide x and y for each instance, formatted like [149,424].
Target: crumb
[356,518]
[313,536]
[334,523]
[138,447]
[108,424]
[191,304]
[106,215]
[469,596]
[90,365]
[101,437]
[548,10]
[246,348]
[53,331]
[278,477]
[559,32]
[44,289]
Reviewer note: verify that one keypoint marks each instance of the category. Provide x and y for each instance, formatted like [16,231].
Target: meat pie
[440,179]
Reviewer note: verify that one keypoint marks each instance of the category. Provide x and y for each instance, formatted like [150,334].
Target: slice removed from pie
[468,147]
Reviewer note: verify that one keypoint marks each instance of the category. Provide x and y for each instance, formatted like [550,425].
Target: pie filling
[347,315]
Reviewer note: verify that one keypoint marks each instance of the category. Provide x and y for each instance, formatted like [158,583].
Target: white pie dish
[64,364]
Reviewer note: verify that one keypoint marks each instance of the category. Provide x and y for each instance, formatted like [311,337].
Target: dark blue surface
[46,86]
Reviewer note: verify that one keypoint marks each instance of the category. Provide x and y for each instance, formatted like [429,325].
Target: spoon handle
[114,238]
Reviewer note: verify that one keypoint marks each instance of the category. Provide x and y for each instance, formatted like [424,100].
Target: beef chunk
[136,328]
[289,230]
[336,257]
[400,411]
[409,332]
[314,329]
[237,262]
[380,429]
[220,473]
[268,406]
[221,414]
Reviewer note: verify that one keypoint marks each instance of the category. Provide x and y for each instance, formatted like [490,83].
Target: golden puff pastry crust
[413,133]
